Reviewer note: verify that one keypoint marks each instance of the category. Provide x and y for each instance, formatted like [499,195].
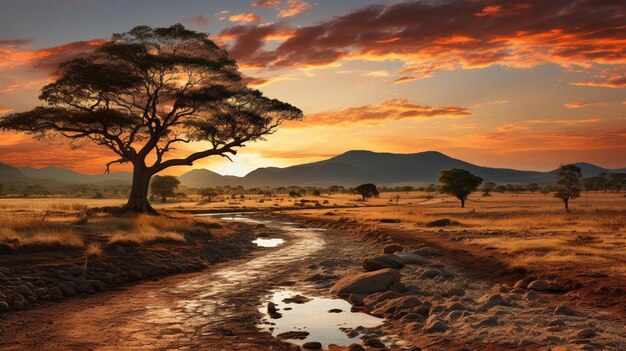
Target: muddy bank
[28,280]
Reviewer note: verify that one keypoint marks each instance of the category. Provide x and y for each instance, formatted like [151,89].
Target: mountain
[69,176]
[203,178]
[348,169]
[358,166]
[10,173]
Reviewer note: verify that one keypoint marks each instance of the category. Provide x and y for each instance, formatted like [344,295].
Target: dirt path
[215,309]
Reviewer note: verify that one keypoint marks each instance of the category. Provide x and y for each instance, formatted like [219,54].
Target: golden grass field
[528,229]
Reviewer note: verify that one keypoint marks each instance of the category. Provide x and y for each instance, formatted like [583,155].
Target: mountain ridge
[349,168]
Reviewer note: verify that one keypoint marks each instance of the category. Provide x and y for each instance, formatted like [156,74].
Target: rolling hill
[355,167]
[348,169]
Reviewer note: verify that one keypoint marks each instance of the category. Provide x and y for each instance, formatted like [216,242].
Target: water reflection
[328,321]
[268,242]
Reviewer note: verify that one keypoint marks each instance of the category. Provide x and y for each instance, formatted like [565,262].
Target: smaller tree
[366,190]
[532,187]
[164,186]
[568,184]
[458,182]
[209,193]
[488,188]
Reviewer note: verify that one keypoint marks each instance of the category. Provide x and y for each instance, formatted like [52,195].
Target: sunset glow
[521,84]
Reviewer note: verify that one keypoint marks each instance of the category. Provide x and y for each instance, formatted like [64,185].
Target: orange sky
[521,84]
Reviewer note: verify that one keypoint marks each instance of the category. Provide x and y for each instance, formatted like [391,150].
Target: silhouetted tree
[366,190]
[164,186]
[458,182]
[532,187]
[146,91]
[209,193]
[568,183]
[488,187]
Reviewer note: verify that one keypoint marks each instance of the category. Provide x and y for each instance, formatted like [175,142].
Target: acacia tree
[145,92]
[458,182]
[366,190]
[164,186]
[209,193]
[568,184]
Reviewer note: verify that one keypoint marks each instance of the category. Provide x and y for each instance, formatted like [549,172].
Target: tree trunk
[138,198]
[566,201]
[462,203]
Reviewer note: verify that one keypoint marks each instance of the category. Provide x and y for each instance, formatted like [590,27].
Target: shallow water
[268,242]
[314,317]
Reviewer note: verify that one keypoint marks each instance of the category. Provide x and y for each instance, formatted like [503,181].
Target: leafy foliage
[458,182]
[366,190]
[164,186]
[568,184]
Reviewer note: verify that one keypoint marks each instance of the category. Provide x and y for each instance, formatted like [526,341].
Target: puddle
[339,326]
[268,242]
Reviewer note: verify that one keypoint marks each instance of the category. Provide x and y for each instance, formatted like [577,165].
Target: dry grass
[30,230]
[528,229]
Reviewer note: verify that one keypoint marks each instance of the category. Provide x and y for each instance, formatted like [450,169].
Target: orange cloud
[513,35]
[294,7]
[390,110]
[576,105]
[245,17]
[47,58]
[4,110]
[266,3]
[611,83]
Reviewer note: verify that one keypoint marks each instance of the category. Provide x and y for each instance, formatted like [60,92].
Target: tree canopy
[366,190]
[458,182]
[164,186]
[568,184]
[147,91]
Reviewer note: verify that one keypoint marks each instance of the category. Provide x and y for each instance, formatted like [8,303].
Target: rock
[487,322]
[375,343]
[586,333]
[492,300]
[457,306]
[17,304]
[299,299]
[393,248]
[565,310]
[412,258]
[4,306]
[399,286]
[554,287]
[293,335]
[355,300]
[366,283]
[444,222]
[556,322]
[382,262]
[539,285]
[355,347]
[335,310]
[328,263]
[520,284]
[431,273]
[426,251]
[312,345]
[56,293]
[435,325]
[271,307]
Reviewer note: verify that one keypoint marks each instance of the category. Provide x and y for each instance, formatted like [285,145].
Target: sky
[526,84]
